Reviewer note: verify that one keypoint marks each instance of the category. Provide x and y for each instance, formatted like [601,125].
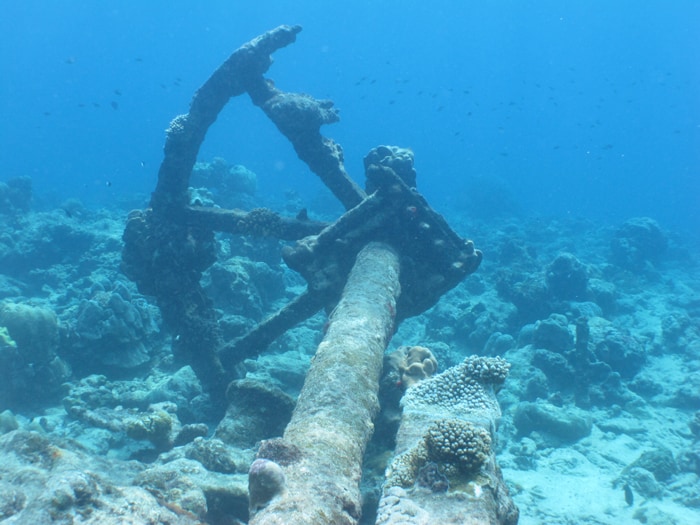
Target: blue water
[583,109]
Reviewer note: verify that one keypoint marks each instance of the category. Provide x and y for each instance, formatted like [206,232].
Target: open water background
[558,109]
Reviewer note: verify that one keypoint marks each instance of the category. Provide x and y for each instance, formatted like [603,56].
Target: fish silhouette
[629,496]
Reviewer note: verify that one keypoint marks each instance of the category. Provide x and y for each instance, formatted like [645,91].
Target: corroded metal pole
[323,445]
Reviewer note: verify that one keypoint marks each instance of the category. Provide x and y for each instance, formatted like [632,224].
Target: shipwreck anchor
[388,257]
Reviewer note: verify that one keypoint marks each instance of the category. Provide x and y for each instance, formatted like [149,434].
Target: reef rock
[33,372]
[50,484]
[244,287]
[111,329]
[638,242]
[567,278]
[256,411]
[563,424]
[15,195]
[553,334]
[231,186]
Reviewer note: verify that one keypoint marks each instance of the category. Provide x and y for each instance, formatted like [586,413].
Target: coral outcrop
[468,387]
[15,195]
[34,329]
[638,242]
[567,278]
[444,444]
[232,186]
[33,371]
[110,329]
[450,449]
[459,444]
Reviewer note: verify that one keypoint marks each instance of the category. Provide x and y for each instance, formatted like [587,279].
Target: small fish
[629,496]
[114,104]
[118,92]
[108,183]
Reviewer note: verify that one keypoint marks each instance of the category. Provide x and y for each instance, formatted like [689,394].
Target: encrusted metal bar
[260,337]
[299,118]
[332,421]
[166,256]
[186,132]
[259,222]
